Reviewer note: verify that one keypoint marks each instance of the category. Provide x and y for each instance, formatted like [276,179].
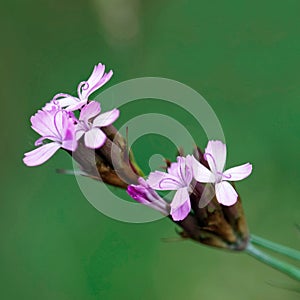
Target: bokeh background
[242,56]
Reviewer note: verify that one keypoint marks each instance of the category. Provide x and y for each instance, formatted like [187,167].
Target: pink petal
[182,169]
[54,124]
[173,169]
[163,181]
[69,142]
[65,130]
[40,155]
[201,173]
[90,110]
[106,77]
[225,193]
[66,100]
[51,105]
[106,118]
[238,173]
[217,155]
[60,123]
[147,196]
[94,78]
[76,105]
[181,205]
[94,138]
[95,81]
[43,123]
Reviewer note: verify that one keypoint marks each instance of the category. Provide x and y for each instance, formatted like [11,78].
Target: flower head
[85,88]
[215,154]
[179,178]
[144,194]
[55,125]
[90,121]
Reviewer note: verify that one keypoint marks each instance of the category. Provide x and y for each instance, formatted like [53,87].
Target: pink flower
[144,194]
[85,88]
[179,178]
[55,125]
[90,121]
[215,154]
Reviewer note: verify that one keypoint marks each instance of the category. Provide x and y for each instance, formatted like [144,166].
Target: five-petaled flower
[85,88]
[215,154]
[179,178]
[144,194]
[55,125]
[90,121]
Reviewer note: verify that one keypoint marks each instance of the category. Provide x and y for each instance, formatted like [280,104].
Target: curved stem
[273,262]
[275,247]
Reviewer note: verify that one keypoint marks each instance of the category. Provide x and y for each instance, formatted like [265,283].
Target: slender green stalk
[273,262]
[275,247]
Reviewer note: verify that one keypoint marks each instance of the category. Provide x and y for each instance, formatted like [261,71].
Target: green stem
[275,263]
[275,247]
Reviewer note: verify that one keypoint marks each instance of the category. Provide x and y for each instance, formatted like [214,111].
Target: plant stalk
[288,252]
[273,262]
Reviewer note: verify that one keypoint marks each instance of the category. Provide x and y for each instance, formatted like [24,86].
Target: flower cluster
[57,123]
[205,204]
[182,175]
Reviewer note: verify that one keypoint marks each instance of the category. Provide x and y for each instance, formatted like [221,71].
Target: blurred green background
[242,56]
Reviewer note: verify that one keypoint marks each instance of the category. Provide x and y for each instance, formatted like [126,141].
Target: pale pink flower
[215,154]
[85,88]
[90,121]
[54,125]
[179,178]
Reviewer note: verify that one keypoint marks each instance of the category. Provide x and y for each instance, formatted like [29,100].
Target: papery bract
[215,154]
[55,125]
[179,178]
[85,88]
[90,121]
